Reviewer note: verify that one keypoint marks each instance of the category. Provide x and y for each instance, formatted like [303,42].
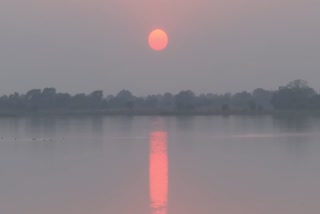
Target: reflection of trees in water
[292,123]
[97,128]
[11,128]
[126,123]
[185,123]
[97,123]
[41,126]
[184,133]
[299,132]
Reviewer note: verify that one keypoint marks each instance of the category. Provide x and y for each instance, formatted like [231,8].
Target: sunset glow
[158,40]
[158,172]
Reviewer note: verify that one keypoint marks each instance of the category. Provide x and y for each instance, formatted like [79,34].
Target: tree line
[296,95]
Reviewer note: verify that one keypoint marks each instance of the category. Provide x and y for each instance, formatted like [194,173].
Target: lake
[160,165]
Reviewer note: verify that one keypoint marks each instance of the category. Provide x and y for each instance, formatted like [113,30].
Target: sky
[214,45]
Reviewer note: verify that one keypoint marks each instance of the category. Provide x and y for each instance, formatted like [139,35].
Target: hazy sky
[214,45]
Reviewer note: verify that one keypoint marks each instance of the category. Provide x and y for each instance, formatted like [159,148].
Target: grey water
[160,165]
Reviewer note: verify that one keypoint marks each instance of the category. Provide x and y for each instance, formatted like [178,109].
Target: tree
[79,101]
[62,101]
[95,99]
[33,99]
[262,98]
[184,101]
[48,98]
[123,100]
[242,100]
[315,102]
[167,101]
[294,96]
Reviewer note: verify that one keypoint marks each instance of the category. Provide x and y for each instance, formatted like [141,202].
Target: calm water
[160,165]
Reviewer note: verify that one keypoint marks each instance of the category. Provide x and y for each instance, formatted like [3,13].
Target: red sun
[158,40]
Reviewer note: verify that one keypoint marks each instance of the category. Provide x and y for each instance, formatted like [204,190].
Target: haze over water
[215,46]
[160,165]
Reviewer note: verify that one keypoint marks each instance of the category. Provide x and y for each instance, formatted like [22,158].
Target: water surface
[160,165]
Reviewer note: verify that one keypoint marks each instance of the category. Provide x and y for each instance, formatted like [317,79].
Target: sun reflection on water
[158,172]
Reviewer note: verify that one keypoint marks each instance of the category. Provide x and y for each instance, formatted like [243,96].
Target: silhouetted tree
[79,101]
[123,100]
[184,101]
[294,96]
[48,98]
[62,101]
[33,98]
[95,99]
[262,98]
[242,100]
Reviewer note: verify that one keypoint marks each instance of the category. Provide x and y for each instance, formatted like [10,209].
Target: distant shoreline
[138,113]
[294,98]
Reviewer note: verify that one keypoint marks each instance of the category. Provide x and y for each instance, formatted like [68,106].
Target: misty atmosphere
[295,96]
[214,46]
[159,107]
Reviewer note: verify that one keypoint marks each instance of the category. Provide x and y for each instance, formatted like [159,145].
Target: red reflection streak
[158,172]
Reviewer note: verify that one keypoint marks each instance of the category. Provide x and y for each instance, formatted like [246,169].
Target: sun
[158,40]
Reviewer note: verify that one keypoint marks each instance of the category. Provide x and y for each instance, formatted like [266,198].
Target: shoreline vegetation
[294,98]
[132,113]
